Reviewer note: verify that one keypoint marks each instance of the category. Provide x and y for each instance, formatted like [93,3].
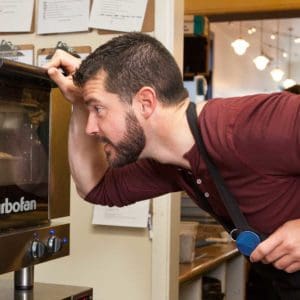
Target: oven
[34,171]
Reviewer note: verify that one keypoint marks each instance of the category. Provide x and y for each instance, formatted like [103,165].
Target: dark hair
[295,89]
[132,61]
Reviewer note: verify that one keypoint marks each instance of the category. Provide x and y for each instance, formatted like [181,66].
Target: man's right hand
[63,61]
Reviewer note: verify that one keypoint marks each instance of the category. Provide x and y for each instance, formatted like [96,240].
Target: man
[129,103]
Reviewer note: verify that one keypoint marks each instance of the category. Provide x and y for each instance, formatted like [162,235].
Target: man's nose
[92,125]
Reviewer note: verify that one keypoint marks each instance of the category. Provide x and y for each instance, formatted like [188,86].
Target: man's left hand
[281,248]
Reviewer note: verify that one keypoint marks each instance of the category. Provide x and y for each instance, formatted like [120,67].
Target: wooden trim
[235,8]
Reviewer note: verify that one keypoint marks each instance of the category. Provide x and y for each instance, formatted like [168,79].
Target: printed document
[134,215]
[118,15]
[16,15]
[56,16]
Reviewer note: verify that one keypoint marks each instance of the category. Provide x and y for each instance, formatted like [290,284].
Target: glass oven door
[24,150]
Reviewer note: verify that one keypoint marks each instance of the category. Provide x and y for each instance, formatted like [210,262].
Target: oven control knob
[38,249]
[54,244]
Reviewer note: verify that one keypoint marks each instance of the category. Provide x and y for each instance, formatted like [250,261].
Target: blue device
[247,241]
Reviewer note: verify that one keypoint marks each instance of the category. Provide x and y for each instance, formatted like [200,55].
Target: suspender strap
[234,211]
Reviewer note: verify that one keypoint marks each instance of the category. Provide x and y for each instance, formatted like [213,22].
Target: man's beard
[130,147]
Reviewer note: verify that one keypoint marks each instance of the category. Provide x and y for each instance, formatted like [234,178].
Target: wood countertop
[207,258]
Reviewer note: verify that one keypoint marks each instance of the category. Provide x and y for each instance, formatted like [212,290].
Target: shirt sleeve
[266,135]
[142,180]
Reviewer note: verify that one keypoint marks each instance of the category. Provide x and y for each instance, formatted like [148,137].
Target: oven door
[24,148]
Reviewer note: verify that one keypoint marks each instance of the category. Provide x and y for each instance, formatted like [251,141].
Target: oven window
[24,150]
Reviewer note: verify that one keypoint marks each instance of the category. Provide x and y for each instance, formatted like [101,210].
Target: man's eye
[98,109]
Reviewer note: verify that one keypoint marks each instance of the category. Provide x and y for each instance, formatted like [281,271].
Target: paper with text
[16,15]
[42,58]
[56,16]
[134,215]
[23,56]
[118,15]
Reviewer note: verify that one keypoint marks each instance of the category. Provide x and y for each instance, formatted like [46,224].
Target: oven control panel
[33,245]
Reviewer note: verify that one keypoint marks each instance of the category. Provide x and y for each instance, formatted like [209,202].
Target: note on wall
[56,16]
[44,55]
[16,15]
[19,53]
[118,15]
[134,215]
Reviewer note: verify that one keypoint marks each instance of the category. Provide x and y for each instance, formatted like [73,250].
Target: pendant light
[240,45]
[261,61]
[289,82]
[277,73]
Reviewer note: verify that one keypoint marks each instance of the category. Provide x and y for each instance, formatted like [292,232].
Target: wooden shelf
[219,261]
[207,258]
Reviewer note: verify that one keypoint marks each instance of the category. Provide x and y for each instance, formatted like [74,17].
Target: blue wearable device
[247,241]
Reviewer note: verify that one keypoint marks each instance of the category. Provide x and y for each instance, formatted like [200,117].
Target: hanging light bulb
[297,40]
[277,73]
[288,82]
[251,30]
[261,61]
[240,45]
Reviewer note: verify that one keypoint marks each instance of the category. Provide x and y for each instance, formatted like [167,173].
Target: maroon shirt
[255,143]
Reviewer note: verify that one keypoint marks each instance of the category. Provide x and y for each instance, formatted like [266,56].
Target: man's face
[129,148]
[114,123]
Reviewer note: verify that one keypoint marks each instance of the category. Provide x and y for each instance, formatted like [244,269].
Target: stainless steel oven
[34,172]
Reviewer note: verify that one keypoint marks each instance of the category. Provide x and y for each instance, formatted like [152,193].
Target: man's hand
[63,61]
[281,248]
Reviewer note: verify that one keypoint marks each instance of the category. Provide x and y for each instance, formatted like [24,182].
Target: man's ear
[145,101]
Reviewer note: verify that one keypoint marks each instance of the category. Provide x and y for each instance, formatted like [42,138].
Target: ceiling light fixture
[289,82]
[261,61]
[251,30]
[277,73]
[240,46]
[297,40]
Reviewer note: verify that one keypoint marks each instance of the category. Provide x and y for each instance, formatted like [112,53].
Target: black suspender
[233,209]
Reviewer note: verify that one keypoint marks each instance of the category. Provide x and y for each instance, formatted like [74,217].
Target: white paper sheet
[42,59]
[16,15]
[135,215]
[118,15]
[26,56]
[56,16]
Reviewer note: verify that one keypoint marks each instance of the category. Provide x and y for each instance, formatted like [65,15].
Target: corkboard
[148,24]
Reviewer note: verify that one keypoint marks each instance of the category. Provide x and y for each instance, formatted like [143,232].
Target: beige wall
[116,262]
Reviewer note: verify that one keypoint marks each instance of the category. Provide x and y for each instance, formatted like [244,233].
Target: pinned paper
[56,16]
[16,15]
[44,55]
[19,53]
[118,15]
[134,215]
